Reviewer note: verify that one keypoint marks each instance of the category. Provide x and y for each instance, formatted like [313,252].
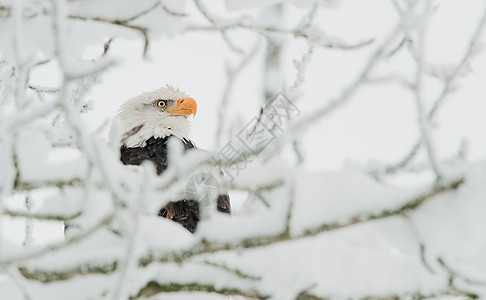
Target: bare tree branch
[204,11]
[170,11]
[453,274]
[447,88]
[232,75]
[275,30]
[140,14]
[349,91]
[423,122]
[122,23]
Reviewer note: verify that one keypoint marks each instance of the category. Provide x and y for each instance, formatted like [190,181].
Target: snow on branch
[254,241]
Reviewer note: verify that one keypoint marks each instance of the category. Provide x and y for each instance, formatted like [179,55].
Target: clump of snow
[336,197]
[36,163]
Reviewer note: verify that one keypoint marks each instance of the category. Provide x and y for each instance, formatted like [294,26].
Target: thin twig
[29,255]
[357,83]
[43,90]
[455,274]
[470,51]
[170,11]
[424,125]
[142,13]
[106,46]
[446,90]
[143,30]
[212,19]
[275,30]
[232,75]
[233,271]
[307,20]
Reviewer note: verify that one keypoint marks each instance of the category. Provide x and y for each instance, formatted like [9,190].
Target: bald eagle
[148,122]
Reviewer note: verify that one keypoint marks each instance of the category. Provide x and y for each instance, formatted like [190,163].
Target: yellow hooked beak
[185,107]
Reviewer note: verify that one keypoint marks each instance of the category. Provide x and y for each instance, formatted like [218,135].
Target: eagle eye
[161,103]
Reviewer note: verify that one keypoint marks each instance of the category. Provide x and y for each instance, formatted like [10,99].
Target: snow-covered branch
[260,241]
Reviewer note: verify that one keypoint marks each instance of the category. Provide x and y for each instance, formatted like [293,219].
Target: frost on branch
[301,234]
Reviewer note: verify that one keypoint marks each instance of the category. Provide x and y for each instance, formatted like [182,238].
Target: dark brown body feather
[183,211]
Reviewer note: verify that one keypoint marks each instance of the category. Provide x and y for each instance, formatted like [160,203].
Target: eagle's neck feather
[140,137]
[151,125]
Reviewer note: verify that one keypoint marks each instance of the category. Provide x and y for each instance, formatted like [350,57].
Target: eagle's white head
[156,114]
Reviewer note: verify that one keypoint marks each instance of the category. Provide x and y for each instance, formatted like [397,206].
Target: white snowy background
[376,190]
